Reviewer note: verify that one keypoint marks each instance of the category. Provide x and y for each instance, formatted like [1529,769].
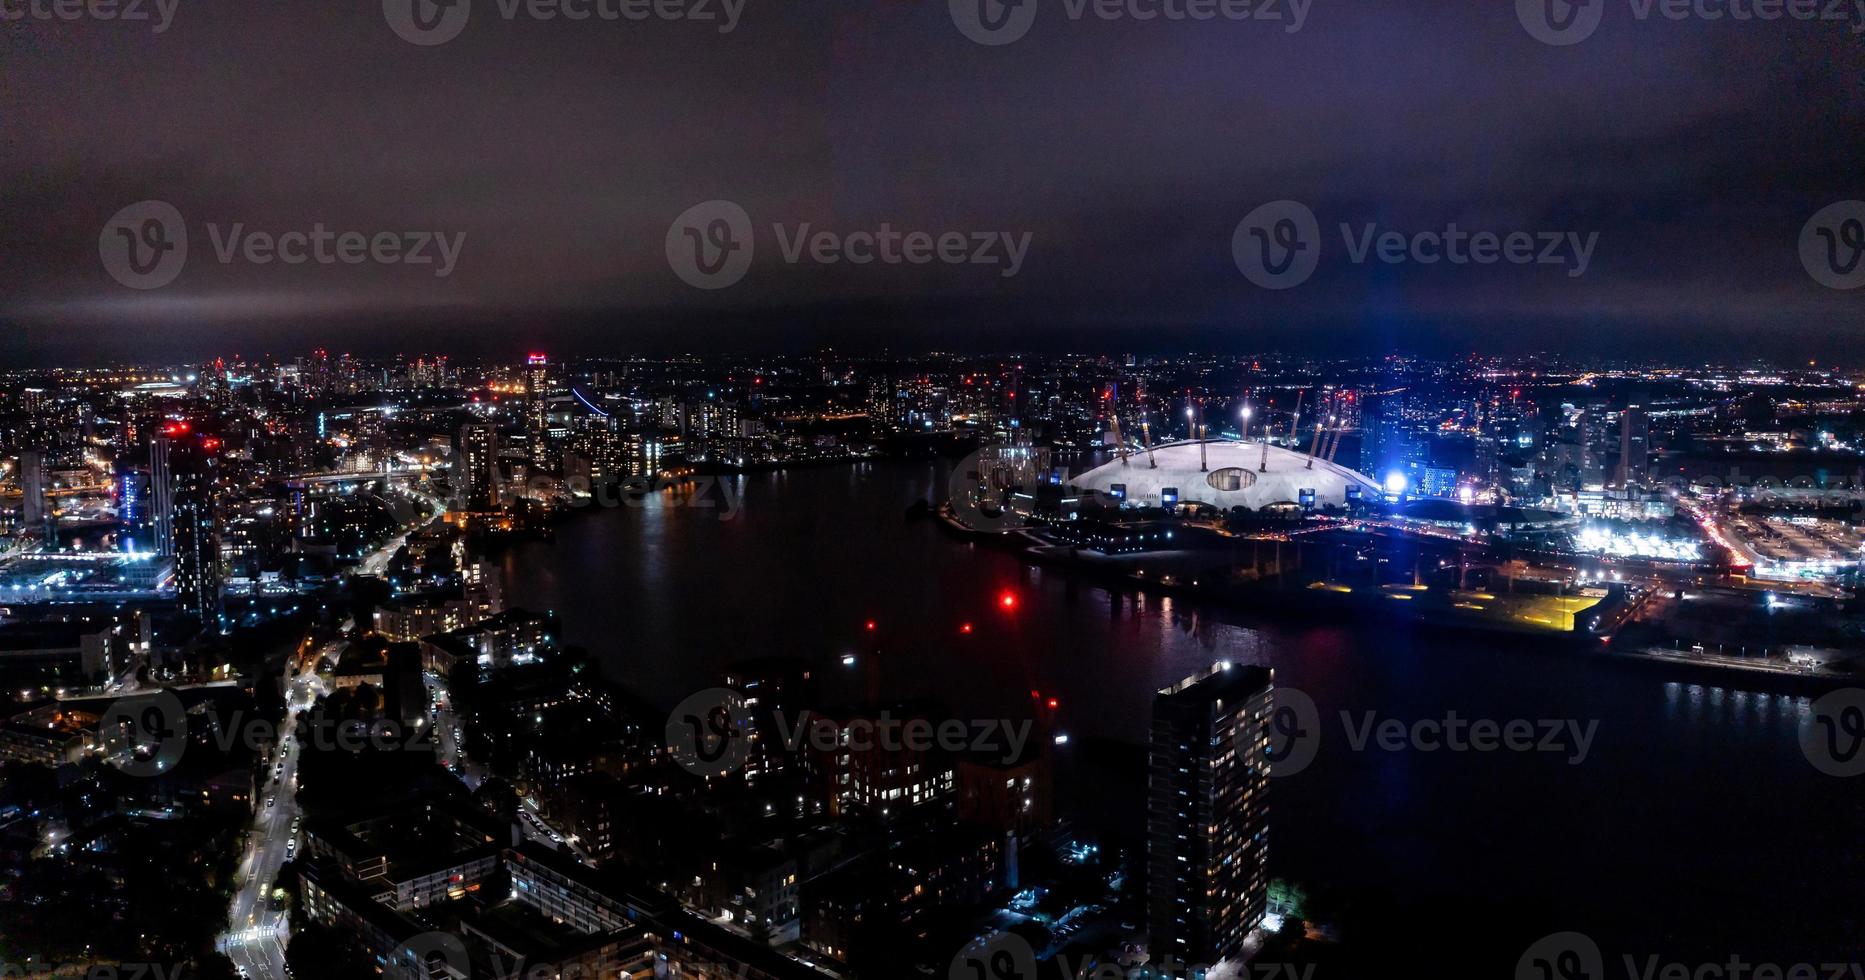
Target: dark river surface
[1693,828]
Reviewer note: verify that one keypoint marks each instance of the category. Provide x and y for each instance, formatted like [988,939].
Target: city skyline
[469,646]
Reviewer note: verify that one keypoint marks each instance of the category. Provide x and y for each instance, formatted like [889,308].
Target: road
[256,935]
[376,562]
[530,821]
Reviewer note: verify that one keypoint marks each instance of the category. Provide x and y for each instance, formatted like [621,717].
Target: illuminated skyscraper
[537,408]
[162,488]
[193,461]
[36,514]
[1634,447]
[372,438]
[476,460]
[1207,815]
[135,523]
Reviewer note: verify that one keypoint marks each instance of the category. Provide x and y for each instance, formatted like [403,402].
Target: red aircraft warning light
[872,625]
[1008,600]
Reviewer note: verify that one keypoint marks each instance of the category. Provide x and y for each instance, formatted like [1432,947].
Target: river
[1692,827]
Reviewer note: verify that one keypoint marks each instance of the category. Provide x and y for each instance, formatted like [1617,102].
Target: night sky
[1127,151]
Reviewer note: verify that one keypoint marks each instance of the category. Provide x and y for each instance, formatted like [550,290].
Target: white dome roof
[1232,476]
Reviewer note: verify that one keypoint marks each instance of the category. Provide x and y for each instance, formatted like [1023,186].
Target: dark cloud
[1127,151]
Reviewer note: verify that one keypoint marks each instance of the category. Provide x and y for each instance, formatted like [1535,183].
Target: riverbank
[1201,577]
